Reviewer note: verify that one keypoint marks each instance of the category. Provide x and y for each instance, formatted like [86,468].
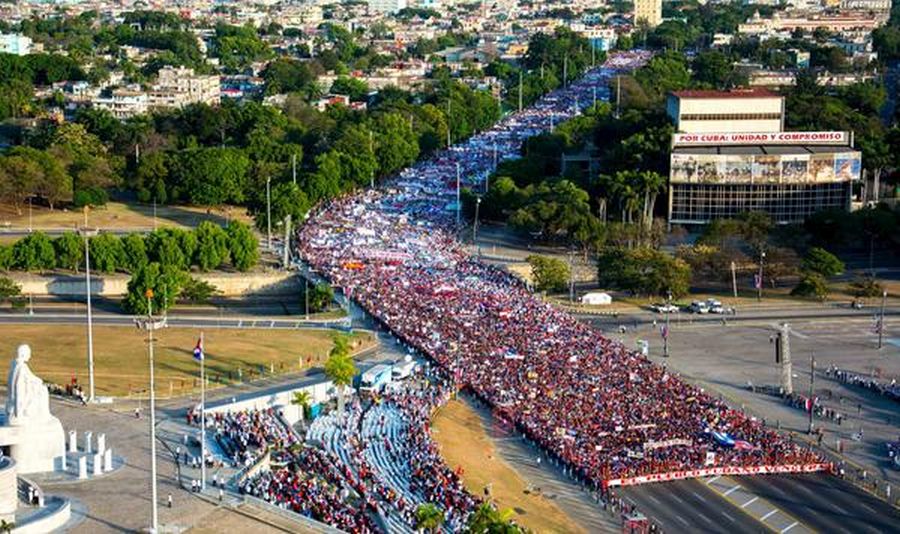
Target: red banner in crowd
[717,471]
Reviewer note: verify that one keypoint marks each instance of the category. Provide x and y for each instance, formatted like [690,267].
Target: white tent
[596,299]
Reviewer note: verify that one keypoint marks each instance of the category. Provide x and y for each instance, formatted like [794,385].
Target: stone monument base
[37,447]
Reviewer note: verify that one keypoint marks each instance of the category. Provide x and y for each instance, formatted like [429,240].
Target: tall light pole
[475,224]
[881,320]
[269,212]
[150,324]
[87,234]
[812,381]
[666,332]
[458,197]
[759,281]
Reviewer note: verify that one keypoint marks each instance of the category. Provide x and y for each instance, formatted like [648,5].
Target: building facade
[179,87]
[648,11]
[789,175]
[387,6]
[740,110]
[16,44]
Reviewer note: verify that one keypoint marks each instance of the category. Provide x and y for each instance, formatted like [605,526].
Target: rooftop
[733,93]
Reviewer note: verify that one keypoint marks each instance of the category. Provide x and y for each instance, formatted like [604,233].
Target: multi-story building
[648,12]
[178,87]
[123,103]
[739,110]
[15,43]
[386,6]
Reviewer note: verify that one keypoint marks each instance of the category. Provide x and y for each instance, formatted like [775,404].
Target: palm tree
[340,368]
[652,183]
[429,517]
[487,519]
[302,399]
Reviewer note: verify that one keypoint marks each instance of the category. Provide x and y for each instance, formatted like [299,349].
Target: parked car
[664,308]
[698,306]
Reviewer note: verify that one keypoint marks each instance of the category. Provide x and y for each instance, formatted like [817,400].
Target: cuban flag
[198,351]
[757,281]
[723,439]
[664,332]
[742,445]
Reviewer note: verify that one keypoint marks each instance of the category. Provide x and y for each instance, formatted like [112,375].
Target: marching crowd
[890,389]
[604,410]
[244,436]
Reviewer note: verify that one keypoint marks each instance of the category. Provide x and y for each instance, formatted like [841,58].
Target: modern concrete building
[739,110]
[15,43]
[123,103]
[387,6]
[648,11]
[178,87]
[789,175]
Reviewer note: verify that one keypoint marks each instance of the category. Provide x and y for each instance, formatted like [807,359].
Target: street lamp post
[88,233]
[269,213]
[666,336]
[150,324]
[458,197]
[881,321]
[759,284]
[475,224]
[812,381]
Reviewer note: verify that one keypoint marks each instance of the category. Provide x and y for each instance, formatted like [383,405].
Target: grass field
[464,442]
[119,215]
[121,361]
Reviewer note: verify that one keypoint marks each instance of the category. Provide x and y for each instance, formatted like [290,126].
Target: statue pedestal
[37,446]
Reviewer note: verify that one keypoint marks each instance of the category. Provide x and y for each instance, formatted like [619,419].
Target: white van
[404,370]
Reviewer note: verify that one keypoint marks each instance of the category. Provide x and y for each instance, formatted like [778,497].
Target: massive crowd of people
[606,411]
[245,435]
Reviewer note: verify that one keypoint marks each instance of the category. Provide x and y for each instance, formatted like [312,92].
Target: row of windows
[699,203]
[730,116]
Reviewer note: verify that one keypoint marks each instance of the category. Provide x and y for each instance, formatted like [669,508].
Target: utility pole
[812,381]
[269,213]
[593,55]
[372,150]
[666,328]
[286,256]
[448,119]
[458,197]
[566,72]
[294,168]
[30,225]
[520,91]
[87,234]
[618,94]
[734,280]
[594,90]
[881,321]
[150,324]
[571,276]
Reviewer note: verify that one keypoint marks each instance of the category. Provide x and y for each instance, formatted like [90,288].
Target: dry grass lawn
[464,442]
[119,215]
[121,360]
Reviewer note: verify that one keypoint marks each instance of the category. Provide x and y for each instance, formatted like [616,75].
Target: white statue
[28,398]
[34,437]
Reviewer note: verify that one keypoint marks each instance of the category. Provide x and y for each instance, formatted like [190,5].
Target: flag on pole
[198,350]
[757,281]
[664,332]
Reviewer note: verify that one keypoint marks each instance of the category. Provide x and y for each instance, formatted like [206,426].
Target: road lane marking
[789,527]
[732,490]
[768,515]
[654,499]
[726,514]
[698,496]
[867,507]
[839,509]
[748,503]
[678,517]
[713,479]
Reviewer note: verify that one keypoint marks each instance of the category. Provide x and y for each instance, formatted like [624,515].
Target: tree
[397,147]
[486,519]
[643,271]
[811,285]
[7,260]
[211,176]
[172,247]
[134,252]
[9,288]
[198,291]
[69,249]
[106,253]
[165,282]
[34,253]
[302,399]
[212,246]
[243,246]
[866,286]
[429,517]
[820,261]
[320,297]
[549,274]
[340,368]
